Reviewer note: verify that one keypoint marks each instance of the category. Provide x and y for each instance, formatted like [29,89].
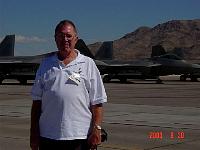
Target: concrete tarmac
[139,115]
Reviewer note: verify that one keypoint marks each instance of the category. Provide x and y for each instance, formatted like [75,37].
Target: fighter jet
[21,68]
[160,64]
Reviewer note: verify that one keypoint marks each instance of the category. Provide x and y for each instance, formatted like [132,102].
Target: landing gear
[2,77]
[1,80]
[183,78]
[123,80]
[193,79]
[22,81]
[106,78]
[159,81]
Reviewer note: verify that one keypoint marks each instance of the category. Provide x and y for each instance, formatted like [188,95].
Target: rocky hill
[176,34]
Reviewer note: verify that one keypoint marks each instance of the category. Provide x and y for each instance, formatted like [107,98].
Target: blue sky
[33,21]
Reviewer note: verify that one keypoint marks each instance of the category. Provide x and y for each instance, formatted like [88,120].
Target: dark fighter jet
[160,64]
[21,68]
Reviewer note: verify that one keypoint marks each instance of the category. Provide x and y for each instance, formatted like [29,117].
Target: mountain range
[182,36]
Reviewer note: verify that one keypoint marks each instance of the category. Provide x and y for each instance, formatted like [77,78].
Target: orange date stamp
[171,135]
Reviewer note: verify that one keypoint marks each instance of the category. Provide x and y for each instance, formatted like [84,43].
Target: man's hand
[34,130]
[34,146]
[34,142]
[94,139]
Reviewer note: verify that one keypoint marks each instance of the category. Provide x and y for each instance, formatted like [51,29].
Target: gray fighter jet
[21,68]
[160,64]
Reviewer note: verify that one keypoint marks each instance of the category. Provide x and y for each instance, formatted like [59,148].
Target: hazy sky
[33,21]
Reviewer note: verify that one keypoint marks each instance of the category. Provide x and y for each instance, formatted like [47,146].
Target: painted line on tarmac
[118,147]
[14,138]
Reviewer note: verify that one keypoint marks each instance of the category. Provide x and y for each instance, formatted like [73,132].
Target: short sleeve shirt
[67,92]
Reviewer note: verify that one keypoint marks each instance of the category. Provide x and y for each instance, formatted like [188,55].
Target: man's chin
[65,50]
[63,54]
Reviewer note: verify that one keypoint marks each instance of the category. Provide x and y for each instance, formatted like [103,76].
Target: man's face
[66,38]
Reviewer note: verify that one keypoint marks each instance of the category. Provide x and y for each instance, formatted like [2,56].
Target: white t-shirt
[67,92]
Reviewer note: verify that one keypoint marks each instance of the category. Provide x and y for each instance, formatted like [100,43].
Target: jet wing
[17,68]
[142,68]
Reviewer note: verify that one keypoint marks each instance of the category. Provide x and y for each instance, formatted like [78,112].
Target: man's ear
[76,38]
[55,38]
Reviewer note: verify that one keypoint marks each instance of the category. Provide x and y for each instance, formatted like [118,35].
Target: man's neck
[66,58]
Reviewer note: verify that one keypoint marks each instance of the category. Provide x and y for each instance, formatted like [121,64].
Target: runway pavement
[139,115]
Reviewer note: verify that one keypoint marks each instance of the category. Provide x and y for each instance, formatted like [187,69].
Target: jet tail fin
[157,50]
[82,47]
[105,52]
[7,46]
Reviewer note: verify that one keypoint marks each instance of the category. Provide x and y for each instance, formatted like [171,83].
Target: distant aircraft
[21,68]
[160,64]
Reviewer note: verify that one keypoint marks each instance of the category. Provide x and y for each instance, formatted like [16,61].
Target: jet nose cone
[196,66]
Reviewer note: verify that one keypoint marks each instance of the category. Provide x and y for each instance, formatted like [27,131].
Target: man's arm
[97,117]
[35,131]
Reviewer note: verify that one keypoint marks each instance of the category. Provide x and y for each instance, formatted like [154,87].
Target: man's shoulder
[49,57]
[85,58]
[48,60]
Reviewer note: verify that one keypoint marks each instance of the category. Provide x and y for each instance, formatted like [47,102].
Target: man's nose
[66,38]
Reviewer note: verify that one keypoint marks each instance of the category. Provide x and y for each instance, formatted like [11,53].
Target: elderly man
[68,96]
